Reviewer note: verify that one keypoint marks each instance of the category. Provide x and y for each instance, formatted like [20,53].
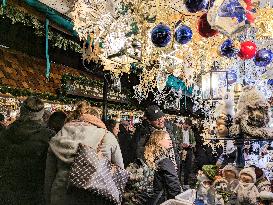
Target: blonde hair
[83,107]
[153,150]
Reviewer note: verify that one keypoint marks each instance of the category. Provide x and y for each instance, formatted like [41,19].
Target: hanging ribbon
[185,101]
[46,51]
[4,5]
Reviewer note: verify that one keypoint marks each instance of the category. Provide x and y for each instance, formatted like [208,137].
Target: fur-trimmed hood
[64,145]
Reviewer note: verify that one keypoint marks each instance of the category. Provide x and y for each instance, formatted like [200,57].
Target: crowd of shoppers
[38,149]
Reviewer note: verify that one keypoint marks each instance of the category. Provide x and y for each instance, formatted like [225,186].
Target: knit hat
[230,167]
[249,171]
[153,113]
[32,109]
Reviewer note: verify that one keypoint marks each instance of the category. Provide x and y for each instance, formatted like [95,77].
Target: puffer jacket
[61,153]
[166,183]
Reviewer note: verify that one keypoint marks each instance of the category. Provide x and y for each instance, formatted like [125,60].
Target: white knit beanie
[249,171]
[232,168]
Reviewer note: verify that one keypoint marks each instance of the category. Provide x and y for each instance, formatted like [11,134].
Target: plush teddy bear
[246,190]
[224,113]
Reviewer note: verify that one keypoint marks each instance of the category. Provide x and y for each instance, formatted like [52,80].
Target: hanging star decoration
[264,22]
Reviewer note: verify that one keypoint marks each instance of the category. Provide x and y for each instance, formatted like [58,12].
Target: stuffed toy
[246,190]
[231,174]
[224,114]
[253,115]
[263,185]
[218,193]
[203,186]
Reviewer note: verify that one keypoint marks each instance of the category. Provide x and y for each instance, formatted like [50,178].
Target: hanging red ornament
[250,17]
[247,1]
[204,27]
[247,50]
[249,14]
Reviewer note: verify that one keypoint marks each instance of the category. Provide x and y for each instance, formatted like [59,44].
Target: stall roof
[62,6]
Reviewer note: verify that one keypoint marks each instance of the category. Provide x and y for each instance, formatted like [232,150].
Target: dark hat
[153,113]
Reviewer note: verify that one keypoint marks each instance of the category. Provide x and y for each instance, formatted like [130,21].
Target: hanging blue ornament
[263,57]
[183,34]
[196,5]
[227,49]
[270,82]
[161,35]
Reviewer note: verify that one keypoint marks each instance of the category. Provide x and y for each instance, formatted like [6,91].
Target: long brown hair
[153,150]
[83,107]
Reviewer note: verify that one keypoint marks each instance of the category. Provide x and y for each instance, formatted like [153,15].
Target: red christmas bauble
[204,27]
[248,50]
[247,1]
[250,17]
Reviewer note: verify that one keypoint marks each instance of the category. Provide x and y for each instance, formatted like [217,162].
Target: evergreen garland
[80,79]
[95,83]
[18,16]
[17,92]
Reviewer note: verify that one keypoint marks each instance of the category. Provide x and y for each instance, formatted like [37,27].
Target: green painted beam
[52,15]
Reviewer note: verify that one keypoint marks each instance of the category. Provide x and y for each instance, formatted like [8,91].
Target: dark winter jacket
[142,136]
[22,174]
[2,128]
[166,183]
[125,143]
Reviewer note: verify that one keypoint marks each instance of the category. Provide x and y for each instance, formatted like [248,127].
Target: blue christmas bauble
[183,34]
[270,82]
[196,5]
[263,57]
[161,35]
[227,49]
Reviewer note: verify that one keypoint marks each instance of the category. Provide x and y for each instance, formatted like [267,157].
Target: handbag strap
[101,142]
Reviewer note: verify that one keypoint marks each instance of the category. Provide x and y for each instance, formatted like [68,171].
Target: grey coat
[61,154]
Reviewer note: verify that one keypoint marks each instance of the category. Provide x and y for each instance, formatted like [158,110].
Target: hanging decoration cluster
[182,39]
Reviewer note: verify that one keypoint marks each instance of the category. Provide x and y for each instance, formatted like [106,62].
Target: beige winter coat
[61,154]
